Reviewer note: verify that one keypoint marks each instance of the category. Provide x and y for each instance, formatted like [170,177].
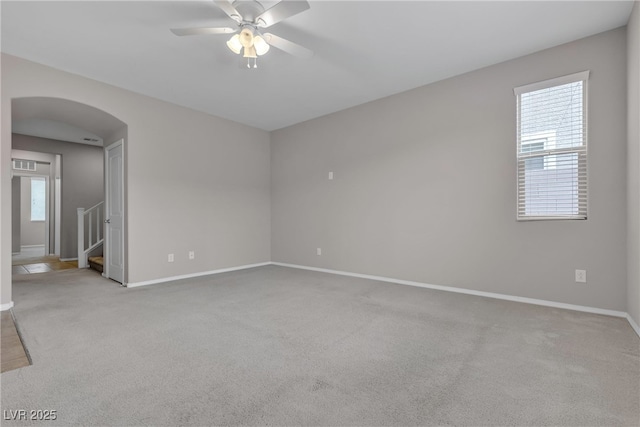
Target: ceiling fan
[250,17]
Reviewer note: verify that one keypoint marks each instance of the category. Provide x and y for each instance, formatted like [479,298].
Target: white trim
[493,295]
[551,218]
[6,306]
[571,78]
[68,259]
[55,161]
[33,246]
[466,291]
[57,205]
[107,182]
[633,324]
[188,276]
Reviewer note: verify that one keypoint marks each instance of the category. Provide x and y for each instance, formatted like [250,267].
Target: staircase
[91,237]
[96,263]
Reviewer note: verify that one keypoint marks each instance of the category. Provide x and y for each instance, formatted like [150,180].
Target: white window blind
[552,148]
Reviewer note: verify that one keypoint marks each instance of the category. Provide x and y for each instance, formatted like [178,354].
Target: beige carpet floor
[278,346]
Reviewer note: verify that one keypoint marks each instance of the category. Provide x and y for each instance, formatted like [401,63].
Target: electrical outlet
[581,276]
[319,251]
[170,258]
[330,175]
[192,254]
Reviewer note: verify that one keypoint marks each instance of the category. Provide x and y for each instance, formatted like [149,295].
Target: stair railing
[92,218]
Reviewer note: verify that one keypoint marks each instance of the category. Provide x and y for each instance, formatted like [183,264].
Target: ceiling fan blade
[201,31]
[287,46]
[280,11]
[228,8]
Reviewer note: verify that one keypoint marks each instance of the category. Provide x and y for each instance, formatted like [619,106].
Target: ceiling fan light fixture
[250,52]
[261,45]
[247,40]
[246,37]
[234,44]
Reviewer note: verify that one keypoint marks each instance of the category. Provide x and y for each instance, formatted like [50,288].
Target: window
[552,148]
[38,199]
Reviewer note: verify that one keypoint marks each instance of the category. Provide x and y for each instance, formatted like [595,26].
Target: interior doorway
[114,211]
[31,238]
[71,129]
[35,221]
[79,133]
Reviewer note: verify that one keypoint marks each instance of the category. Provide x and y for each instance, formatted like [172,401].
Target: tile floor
[43,267]
[33,260]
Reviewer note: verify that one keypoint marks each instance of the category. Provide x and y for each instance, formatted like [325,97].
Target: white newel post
[82,262]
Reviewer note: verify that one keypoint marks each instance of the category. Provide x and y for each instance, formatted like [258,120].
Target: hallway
[33,260]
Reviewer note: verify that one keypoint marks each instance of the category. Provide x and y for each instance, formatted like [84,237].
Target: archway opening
[66,143]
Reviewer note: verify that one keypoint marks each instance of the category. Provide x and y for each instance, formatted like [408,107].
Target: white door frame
[53,190]
[57,204]
[47,213]
[107,184]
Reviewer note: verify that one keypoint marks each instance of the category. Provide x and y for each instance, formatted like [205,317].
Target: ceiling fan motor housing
[249,9]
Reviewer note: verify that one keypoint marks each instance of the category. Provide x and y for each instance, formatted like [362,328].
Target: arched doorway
[76,133]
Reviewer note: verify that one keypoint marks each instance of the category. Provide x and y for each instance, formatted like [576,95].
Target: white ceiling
[364,50]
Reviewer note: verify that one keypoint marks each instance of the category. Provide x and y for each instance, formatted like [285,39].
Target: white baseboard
[32,246]
[633,324]
[188,276]
[493,295]
[6,306]
[467,291]
[68,259]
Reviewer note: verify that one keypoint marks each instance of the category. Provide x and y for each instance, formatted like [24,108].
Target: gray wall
[425,185]
[16,184]
[633,163]
[31,233]
[82,182]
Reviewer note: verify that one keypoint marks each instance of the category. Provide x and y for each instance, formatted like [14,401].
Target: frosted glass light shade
[261,46]
[234,44]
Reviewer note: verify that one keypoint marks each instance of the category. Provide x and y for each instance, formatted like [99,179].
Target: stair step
[97,263]
[97,259]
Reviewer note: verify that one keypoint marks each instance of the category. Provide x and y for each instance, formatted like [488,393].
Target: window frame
[581,151]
